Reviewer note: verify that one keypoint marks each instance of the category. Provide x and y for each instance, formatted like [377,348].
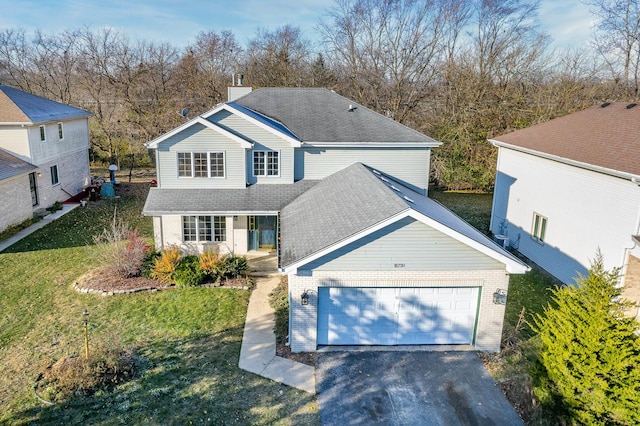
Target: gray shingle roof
[11,166]
[17,106]
[320,115]
[353,200]
[256,198]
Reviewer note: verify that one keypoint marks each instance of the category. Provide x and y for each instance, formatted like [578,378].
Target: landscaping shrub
[235,266]
[279,301]
[148,262]
[212,263]
[120,249]
[165,266]
[590,352]
[188,272]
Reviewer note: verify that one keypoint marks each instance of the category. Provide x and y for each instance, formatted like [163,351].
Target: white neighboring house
[570,187]
[51,136]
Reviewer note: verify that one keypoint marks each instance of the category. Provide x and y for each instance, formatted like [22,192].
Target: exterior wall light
[500,297]
[304,297]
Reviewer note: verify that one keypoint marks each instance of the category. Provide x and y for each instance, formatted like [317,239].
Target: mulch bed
[103,282]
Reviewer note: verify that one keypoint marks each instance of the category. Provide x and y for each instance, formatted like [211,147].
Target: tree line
[461,71]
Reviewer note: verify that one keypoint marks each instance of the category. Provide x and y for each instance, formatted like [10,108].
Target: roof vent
[375,171]
[631,106]
[408,199]
[606,104]
[394,188]
[382,178]
[352,108]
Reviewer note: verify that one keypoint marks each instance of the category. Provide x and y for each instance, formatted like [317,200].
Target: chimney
[237,90]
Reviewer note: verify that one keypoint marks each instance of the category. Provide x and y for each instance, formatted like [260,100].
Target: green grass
[187,340]
[473,207]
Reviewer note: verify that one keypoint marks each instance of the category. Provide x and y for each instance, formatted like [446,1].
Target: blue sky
[178,21]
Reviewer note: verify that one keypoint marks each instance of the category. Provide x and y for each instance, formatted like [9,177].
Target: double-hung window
[201,164]
[539,227]
[204,228]
[266,163]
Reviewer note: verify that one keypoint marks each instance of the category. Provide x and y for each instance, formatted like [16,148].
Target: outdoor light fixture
[500,297]
[304,297]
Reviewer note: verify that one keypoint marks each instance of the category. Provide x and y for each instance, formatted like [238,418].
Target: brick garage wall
[304,319]
[15,201]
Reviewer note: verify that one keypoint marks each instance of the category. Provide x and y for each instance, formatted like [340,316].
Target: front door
[262,232]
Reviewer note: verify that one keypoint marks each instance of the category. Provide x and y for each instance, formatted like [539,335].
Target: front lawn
[186,341]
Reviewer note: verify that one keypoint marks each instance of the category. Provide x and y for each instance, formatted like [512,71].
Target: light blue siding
[199,138]
[407,245]
[263,140]
[410,165]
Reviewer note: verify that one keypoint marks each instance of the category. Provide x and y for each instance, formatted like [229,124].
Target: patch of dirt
[520,394]
[99,280]
[308,358]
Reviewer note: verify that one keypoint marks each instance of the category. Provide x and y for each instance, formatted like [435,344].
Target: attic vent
[394,188]
[631,106]
[352,108]
[382,178]
[408,199]
[376,172]
[606,104]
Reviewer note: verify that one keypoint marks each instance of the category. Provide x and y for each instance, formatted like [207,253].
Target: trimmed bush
[165,266]
[188,272]
[235,266]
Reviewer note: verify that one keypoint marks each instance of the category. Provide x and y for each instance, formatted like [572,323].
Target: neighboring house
[570,187]
[15,194]
[339,193]
[51,136]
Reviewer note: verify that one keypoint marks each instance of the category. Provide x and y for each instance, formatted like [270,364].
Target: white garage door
[396,316]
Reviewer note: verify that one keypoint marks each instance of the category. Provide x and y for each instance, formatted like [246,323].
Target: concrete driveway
[409,388]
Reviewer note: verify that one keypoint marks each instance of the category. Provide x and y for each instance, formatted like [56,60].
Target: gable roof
[357,201]
[605,138]
[18,107]
[317,115]
[206,123]
[11,165]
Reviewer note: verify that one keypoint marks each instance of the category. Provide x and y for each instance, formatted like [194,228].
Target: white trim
[389,144]
[212,213]
[512,266]
[199,120]
[579,164]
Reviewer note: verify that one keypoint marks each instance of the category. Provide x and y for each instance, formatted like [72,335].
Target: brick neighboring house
[569,187]
[339,193]
[50,136]
[15,195]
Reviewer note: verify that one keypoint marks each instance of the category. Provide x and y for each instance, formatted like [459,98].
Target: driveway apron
[409,388]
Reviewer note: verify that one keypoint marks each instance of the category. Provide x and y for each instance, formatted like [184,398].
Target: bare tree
[617,38]
[391,52]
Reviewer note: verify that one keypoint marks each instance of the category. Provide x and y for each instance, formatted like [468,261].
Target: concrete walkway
[66,208]
[258,352]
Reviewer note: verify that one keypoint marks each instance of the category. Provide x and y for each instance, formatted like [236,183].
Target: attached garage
[397,316]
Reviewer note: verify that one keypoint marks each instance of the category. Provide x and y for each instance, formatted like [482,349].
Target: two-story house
[339,192]
[52,137]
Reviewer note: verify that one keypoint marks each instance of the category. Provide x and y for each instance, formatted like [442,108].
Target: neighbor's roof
[320,115]
[256,199]
[353,202]
[18,107]
[11,165]
[606,136]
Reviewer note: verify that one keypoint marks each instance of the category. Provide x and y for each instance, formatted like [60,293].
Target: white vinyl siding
[407,245]
[409,165]
[226,159]
[586,210]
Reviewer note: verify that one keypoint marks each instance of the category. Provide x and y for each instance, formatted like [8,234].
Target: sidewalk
[66,208]
[258,352]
